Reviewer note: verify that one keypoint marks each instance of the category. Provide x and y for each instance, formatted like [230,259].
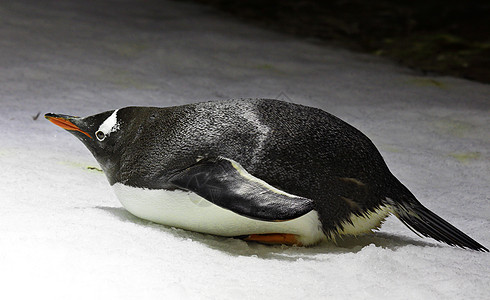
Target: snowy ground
[64,235]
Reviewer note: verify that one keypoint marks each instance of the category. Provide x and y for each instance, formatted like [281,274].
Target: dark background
[433,36]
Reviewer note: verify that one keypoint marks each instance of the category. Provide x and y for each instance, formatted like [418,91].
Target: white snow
[63,234]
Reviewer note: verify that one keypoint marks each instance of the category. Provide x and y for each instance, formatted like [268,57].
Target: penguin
[262,170]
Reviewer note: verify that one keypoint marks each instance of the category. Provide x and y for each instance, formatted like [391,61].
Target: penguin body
[265,170]
[187,210]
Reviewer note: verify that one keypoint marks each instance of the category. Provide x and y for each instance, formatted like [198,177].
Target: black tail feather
[421,220]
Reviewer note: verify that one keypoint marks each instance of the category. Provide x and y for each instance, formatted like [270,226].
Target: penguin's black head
[101,134]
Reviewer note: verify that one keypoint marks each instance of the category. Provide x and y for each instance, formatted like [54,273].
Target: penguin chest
[190,211]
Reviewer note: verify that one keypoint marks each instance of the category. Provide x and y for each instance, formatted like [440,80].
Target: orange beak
[64,122]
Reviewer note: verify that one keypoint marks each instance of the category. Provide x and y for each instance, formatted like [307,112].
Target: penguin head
[102,134]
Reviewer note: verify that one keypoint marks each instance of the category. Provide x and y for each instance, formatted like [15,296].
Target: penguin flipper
[227,184]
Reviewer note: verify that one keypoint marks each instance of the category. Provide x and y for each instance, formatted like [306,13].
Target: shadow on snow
[238,247]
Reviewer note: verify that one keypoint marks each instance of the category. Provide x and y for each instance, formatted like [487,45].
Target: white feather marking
[110,124]
[263,130]
[365,224]
[250,177]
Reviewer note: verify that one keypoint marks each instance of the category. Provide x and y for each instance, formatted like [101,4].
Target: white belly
[190,211]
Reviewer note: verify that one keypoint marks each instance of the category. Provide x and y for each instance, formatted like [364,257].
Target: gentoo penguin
[263,170]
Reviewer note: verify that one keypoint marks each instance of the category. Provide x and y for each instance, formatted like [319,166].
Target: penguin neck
[109,167]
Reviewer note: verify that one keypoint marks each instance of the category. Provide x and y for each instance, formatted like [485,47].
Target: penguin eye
[100,135]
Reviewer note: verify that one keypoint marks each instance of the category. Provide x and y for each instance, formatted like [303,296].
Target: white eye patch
[108,126]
